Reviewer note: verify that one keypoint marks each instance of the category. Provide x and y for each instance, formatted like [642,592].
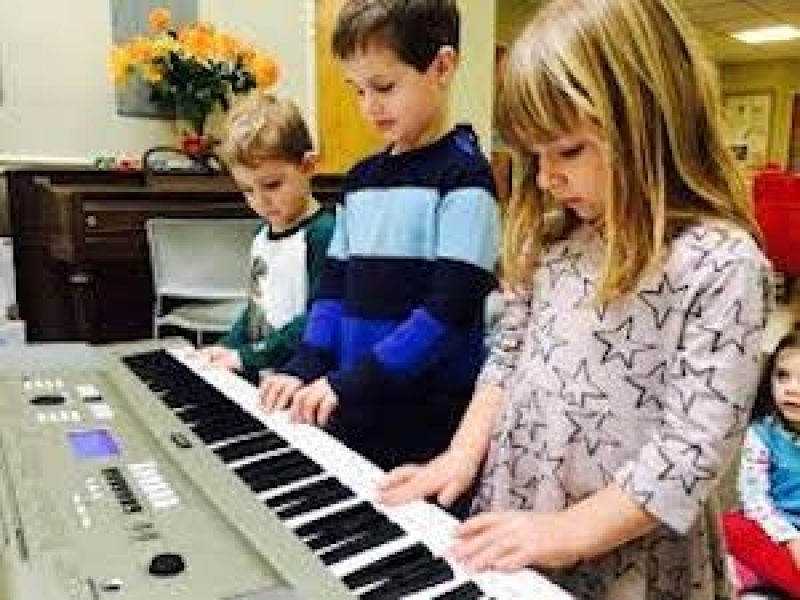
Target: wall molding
[34,160]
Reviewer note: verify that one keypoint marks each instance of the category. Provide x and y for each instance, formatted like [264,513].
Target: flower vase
[190,127]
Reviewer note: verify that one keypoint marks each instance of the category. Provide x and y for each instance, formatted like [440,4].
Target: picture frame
[748,126]
[129,18]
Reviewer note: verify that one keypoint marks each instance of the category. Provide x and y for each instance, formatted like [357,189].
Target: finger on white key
[285,394]
[269,392]
[296,405]
[325,410]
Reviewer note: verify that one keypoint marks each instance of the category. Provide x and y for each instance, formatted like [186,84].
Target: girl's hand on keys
[446,477]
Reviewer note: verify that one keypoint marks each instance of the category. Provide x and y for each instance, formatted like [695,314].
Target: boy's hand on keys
[277,391]
[314,403]
[218,356]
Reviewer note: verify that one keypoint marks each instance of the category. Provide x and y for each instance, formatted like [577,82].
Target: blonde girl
[622,380]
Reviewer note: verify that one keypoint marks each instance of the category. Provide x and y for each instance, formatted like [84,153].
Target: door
[343,136]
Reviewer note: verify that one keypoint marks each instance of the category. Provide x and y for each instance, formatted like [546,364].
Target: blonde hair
[264,127]
[635,70]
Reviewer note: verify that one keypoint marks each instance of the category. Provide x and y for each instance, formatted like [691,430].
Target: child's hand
[314,403]
[219,356]
[794,551]
[446,477]
[512,540]
[276,391]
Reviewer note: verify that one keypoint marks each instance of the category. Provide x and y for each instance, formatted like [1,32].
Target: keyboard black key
[466,591]
[205,413]
[276,471]
[264,441]
[320,496]
[404,561]
[217,431]
[301,493]
[377,536]
[432,573]
[348,520]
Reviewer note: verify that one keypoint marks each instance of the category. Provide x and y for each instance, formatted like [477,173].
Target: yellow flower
[159,19]
[119,64]
[226,47]
[198,43]
[151,73]
[264,69]
[141,50]
[164,45]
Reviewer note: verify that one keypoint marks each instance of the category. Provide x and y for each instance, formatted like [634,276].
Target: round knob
[166,564]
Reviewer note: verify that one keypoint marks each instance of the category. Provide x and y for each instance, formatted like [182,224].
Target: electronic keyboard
[240,503]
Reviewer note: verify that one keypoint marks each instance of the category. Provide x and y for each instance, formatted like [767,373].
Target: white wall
[57,99]
[283,27]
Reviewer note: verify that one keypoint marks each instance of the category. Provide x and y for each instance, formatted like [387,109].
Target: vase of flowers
[193,69]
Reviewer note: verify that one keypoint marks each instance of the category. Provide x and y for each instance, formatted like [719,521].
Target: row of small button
[122,490]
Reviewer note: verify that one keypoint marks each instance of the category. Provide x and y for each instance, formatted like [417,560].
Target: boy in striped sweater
[394,341]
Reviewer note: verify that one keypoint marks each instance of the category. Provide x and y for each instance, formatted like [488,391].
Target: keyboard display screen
[93,443]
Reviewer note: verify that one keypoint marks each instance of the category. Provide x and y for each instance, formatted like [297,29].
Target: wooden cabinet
[81,259]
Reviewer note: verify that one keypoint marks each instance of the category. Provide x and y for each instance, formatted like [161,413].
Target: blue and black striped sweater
[398,315]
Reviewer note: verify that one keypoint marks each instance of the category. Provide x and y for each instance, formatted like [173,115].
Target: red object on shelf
[195,145]
[776,195]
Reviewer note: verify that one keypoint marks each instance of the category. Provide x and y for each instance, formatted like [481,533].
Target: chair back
[776,197]
[201,258]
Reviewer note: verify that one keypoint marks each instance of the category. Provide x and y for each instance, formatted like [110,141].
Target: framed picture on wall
[128,19]
[748,120]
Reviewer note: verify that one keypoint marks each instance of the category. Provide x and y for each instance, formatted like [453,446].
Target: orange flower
[159,19]
[199,43]
[141,50]
[192,66]
[227,47]
[264,69]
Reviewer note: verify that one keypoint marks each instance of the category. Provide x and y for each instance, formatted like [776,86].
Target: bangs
[540,98]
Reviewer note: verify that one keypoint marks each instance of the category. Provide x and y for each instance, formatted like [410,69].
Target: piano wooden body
[81,261]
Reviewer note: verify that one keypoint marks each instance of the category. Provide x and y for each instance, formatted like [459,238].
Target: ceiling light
[765,35]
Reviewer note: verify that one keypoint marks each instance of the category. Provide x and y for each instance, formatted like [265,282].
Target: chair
[200,271]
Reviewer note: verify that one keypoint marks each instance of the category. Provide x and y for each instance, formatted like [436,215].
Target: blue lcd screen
[93,443]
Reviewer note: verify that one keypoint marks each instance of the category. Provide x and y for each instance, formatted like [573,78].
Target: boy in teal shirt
[269,152]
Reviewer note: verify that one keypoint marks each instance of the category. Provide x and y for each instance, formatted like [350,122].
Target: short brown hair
[414,29]
[264,127]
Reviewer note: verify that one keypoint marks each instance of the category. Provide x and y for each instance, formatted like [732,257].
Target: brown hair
[635,70]
[415,30]
[765,401]
[263,127]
